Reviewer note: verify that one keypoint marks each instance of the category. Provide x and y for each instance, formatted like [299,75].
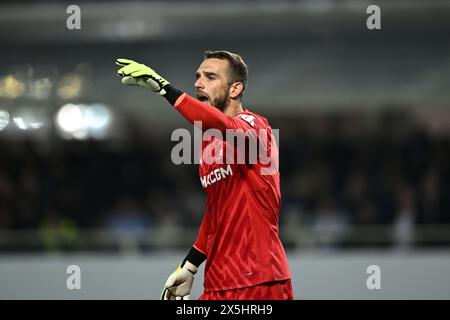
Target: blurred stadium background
[364,116]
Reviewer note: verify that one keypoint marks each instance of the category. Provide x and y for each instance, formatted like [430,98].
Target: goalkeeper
[238,236]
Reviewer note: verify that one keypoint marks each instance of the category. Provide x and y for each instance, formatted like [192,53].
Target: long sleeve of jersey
[195,110]
[202,236]
[210,117]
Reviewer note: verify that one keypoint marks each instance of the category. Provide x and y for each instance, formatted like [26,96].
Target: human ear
[236,89]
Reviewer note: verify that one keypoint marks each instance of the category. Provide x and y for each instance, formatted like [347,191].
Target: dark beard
[221,104]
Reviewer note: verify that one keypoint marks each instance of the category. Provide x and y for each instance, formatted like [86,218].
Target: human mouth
[202,97]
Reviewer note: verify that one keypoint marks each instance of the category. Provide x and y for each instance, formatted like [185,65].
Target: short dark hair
[238,68]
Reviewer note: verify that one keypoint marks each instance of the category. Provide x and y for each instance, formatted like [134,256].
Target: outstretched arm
[134,73]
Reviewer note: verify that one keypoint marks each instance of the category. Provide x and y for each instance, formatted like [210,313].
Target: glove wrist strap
[171,94]
[195,257]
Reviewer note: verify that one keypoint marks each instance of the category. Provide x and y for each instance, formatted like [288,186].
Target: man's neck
[233,109]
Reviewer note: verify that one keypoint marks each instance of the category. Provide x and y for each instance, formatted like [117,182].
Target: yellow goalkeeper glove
[137,74]
[178,285]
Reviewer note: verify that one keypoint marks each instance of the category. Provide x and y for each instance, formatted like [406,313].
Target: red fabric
[239,231]
[280,290]
[211,117]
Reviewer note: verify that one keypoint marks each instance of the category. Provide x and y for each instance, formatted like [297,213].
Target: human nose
[199,83]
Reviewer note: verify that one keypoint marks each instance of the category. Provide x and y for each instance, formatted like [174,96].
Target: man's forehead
[213,65]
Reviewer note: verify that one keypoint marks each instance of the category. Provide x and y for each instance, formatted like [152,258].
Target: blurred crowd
[337,171]
[367,170]
[352,170]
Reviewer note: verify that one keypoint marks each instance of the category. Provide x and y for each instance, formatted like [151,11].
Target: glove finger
[119,72]
[129,69]
[164,294]
[168,295]
[141,72]
[126,70]
[129,81]
[172,278]
[179,298]
[124,62]
[187,297]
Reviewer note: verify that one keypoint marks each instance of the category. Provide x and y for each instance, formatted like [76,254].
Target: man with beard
[238,237]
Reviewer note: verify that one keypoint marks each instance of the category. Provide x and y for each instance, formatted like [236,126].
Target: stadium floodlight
[20,123]
[70,118]
[82,121]
[4,119]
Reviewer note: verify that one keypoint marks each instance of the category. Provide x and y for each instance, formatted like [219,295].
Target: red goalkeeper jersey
[239,231]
